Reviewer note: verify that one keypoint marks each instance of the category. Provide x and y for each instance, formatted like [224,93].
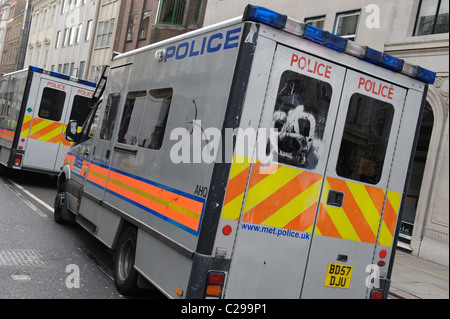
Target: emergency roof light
[61,76]
[335,42]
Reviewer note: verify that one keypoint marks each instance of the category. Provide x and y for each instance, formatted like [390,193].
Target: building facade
[418,32]
[14,28]
[123,26]
[60,35]
[80,37]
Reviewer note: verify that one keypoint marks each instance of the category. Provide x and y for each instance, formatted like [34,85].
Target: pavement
[416,278]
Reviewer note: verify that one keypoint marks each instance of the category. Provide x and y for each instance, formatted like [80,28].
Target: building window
[172,11]
[72,35]
[87,35]
[58,38]
[432,17]
[317,22]
[105,32]
[96,72]
[81,70]
[78,33]
[130,29]
[144,25]
[347,24]
[63,6]
[66,37]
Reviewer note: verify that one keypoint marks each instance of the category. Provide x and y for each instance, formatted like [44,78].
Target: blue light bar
[266,16]
[35,69]
[393,63]
[325,38]
[426,76]
[315,34]
[61,76]
[85,82]
[373,56]
[64,76]
[55,74]
[337,43]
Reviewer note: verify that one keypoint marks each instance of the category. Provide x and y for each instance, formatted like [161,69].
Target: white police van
[197,215]
[35,107]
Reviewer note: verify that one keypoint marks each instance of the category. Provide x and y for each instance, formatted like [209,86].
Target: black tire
[61,214]
[124,273]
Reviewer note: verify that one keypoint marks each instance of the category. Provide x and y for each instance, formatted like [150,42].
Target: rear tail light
[215,285]
[383,254]
[18,161]
[376,294]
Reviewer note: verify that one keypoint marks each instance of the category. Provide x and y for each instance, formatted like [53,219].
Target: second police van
[35,107]
[257,158]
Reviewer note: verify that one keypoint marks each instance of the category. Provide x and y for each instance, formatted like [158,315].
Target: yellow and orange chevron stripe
[359,217]
[289,198]
[44,130]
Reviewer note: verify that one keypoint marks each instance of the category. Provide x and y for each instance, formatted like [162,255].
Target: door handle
[335,198]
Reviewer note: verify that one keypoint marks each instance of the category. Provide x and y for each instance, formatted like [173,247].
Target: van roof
[62,76]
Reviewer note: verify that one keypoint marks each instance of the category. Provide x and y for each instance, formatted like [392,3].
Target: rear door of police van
[309,226]
[278,214]
[43,124]
[357,214]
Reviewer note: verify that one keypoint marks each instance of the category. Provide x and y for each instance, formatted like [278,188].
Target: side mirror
[72,131]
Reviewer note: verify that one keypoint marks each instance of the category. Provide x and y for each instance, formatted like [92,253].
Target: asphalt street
[40,259]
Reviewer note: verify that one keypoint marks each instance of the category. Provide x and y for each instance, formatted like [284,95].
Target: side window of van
[52,104]
[91,124]
[109,119]
[155,117]
[365,139]
[4,104]
[131,119]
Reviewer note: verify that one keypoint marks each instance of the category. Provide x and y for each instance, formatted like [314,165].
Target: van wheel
[124,273]
[61,213]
